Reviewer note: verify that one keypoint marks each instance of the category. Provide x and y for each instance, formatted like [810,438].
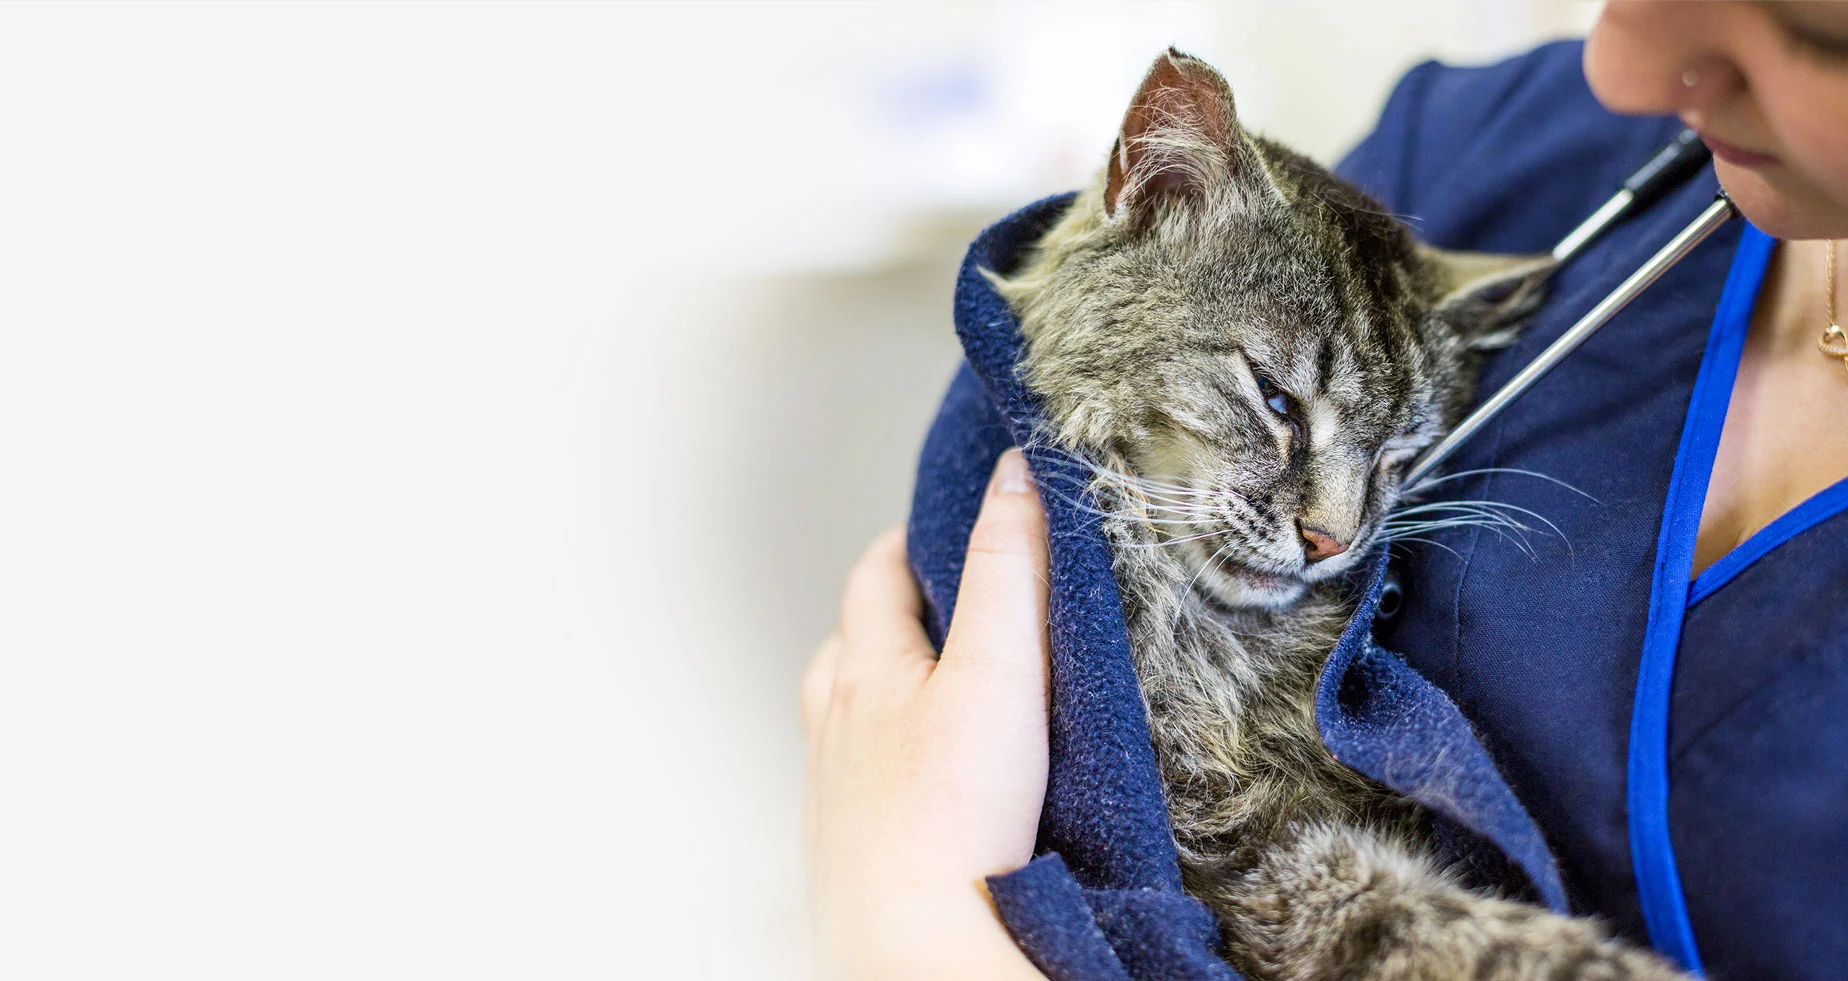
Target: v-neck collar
[1658,880]
[1819,507]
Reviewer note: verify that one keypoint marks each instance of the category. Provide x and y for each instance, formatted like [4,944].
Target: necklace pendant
[1833,342]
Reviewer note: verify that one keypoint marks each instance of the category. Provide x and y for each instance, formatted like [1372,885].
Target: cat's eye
[1278,400]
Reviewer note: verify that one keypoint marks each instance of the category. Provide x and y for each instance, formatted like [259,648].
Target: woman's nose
[1706,80]
[1661,58]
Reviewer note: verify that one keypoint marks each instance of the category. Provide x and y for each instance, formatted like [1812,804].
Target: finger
[818,682]
[1000,622]
[881,606]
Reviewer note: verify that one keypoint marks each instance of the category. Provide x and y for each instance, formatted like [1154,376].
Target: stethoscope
[1672,165]
[1658,882]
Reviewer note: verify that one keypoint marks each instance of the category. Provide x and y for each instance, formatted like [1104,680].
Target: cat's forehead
[1309,314]
[1343,363]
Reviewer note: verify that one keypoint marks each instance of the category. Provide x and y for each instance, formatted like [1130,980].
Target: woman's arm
[926,775]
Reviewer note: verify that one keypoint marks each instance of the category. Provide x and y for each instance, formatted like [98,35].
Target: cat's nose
[1318,544]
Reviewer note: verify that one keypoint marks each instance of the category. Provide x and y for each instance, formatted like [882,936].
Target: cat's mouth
[1236,584]
[1255,578]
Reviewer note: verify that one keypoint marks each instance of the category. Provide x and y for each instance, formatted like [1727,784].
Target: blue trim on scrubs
[1542,656]
[1658,880]
[1821,506]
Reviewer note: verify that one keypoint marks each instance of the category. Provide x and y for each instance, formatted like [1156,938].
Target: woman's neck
[1793,302]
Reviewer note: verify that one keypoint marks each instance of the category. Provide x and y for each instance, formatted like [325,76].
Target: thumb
[1000,621]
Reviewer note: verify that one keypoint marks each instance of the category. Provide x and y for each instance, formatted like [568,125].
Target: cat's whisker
[1160,510]
[1210,560]
[1401,533]
[1537,516]
[1473,503]
[1202,505]
[1498,507]
[1425,541]
[1171,541]
[1430,482]
[1162,514]
[1449,522]
[1086,507]
[1478,507]
[1512,531]
[1488,508]
[1152,487]
[1480,515]
[1185,506]
[1407,534]
[1128,514]
[1514,537]
[1438,506]
[1463,516]
[1190,519]
[1159,495]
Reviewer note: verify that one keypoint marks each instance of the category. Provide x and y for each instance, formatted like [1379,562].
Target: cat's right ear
[1180,139]
[1484,296]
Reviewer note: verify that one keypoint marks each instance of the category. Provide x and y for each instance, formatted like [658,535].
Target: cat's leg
[1336,903]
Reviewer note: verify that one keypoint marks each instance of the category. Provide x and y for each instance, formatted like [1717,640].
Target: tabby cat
[1249,352]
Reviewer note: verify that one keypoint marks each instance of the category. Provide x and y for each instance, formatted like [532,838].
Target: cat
[1249,352]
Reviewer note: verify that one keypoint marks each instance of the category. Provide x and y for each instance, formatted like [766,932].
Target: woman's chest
[1541,639]
[1784,441]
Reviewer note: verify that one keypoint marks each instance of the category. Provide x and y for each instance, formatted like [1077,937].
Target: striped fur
[1249,350]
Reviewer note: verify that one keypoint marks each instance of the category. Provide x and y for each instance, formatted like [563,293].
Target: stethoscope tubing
[1669,167]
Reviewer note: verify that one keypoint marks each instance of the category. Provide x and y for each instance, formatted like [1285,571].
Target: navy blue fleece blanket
[1103,899]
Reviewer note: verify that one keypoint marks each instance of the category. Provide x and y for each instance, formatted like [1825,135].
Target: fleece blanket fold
[1103,898]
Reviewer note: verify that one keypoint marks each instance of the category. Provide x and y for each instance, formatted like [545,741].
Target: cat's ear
[1180,137]
[1483,295]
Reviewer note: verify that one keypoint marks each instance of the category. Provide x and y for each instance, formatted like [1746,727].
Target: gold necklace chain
[1834,342]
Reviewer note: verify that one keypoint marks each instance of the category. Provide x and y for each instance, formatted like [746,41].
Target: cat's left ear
[1483,295]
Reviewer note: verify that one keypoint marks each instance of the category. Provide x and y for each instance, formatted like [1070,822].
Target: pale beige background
[435,434]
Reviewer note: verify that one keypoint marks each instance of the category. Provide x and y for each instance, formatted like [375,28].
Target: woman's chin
[1782,203]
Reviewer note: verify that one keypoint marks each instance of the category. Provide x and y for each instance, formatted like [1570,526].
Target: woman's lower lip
[1737,156]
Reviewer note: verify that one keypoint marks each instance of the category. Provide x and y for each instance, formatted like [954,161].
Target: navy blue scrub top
[1722,778]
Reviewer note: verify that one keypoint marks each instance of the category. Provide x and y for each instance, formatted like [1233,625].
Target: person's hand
[926,775]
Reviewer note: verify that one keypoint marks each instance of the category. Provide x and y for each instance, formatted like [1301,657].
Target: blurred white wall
[434,435]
